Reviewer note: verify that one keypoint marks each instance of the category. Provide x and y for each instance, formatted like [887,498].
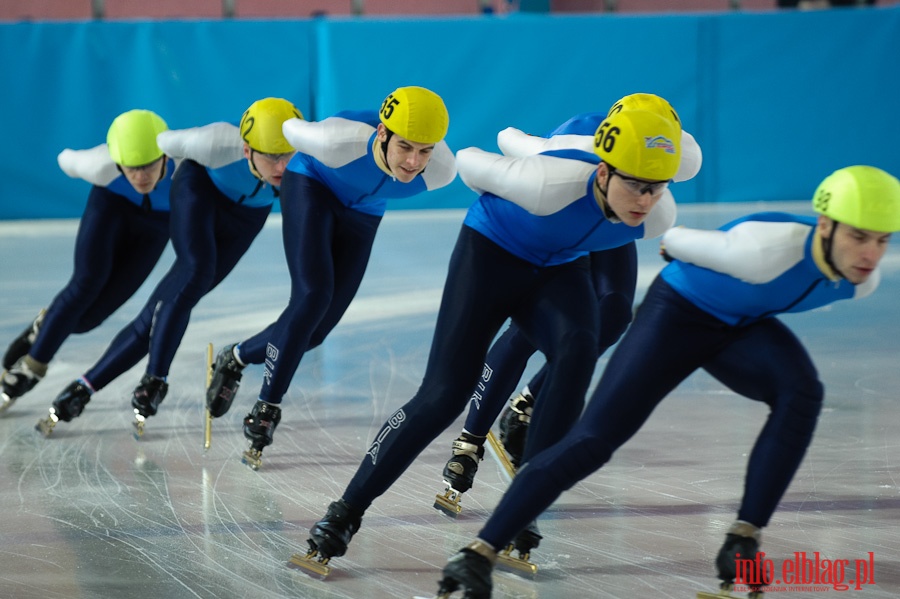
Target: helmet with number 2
[416,114]
[640,143]
[863,197]
[261,125]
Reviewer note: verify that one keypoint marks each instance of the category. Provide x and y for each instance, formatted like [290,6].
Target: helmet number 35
[387,107]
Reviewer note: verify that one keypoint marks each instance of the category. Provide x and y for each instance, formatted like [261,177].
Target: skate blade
[448,502]
[501,455]
[207,427]
[138,425]
[252,458]
[505,559]
[723,593]
[6,402]
[45,425]
[207,431]
[311,564]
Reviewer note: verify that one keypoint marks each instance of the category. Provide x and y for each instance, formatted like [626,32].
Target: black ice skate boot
[259,428]
[146,399]
[21,345]
[736,559]
[19,380]
[514,421]
[68,405]
[469,570]
[329,537]
[459,472]
[226,380]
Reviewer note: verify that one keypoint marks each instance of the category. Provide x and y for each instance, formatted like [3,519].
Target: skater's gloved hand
[662,252]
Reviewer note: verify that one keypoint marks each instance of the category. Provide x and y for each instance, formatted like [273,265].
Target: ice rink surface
[93,513]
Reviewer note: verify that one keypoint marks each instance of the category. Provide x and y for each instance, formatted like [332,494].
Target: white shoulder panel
[753,251]
[513,142]
[662,217]
[870,285]
[93,165]
[541,185]
[334,141]
[214,145]
[441,168]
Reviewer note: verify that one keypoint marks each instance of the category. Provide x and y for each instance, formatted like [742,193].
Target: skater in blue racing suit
[522,253]
[715,307]
[336,190]
[227,178]
[614,275]
[121,236]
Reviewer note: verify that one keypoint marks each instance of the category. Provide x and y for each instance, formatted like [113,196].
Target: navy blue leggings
[614,272]
[117,246]
[669,339]
[210,233]
[327,246]
[554,306]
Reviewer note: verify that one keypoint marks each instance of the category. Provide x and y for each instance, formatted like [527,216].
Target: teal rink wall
[777,100]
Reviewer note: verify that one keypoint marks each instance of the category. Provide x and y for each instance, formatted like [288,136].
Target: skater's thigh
[763,361]
[615,271]
[561,315]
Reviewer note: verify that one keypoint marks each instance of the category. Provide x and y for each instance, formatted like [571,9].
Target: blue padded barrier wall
[776,99]
[63,83]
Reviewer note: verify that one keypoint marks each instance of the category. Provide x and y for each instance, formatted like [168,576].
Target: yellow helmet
[132,138]
[640,143]
[415,113]
[864,197]
[261,125]
[648,102]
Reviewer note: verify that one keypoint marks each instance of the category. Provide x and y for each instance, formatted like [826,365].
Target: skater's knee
[582,456]
[308,305]
[615,316]
[196,284]
[441,403]
[577,351]
[88,322]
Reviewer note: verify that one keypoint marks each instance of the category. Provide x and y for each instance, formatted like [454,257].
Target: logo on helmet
[660,142]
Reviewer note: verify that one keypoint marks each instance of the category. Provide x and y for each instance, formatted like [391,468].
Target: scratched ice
[93,513]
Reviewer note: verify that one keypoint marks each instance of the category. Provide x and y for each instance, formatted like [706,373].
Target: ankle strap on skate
[463,446]
[483,549]
[745,529]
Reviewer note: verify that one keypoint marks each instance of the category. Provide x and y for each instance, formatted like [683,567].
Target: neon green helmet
[648,102]
[132,138]
[261,125]
[640,143]
[416,114]
[863,197]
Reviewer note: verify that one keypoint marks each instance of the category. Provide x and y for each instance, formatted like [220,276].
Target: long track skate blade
[448,502]
[252,458]
[505,559]
[309,564]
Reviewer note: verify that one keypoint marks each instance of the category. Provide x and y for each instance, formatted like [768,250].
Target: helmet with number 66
[640,143]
